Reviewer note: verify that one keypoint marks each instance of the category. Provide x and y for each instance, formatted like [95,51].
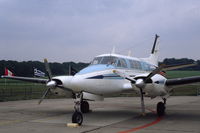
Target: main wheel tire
[85,107]
[160,109]
[77,118]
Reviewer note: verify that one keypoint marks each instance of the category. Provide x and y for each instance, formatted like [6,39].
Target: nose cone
[82,80]
[77,83]
[51,84]
[140,83]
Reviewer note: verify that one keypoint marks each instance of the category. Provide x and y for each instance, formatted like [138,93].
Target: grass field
[18,90]
[190,90]
[181,74]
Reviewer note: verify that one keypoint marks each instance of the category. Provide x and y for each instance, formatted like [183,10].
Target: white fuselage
[99,79]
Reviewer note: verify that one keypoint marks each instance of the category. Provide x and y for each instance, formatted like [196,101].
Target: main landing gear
[142,102]
[81,106]
[161,108]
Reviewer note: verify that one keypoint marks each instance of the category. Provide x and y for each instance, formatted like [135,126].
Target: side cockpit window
[109,60]
[96,60]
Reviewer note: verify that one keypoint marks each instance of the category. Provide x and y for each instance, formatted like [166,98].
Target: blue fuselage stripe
[104,77]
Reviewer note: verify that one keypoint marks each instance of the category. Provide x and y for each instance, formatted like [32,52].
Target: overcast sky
[78,30]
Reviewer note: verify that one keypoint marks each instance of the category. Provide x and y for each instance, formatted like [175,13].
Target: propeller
[50,84]
[47,69]
[140,82]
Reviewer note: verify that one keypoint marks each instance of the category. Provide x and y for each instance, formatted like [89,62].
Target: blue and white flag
[38,73]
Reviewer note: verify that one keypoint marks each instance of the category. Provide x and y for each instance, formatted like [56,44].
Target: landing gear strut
[142,102]
[161,108]
[80,107]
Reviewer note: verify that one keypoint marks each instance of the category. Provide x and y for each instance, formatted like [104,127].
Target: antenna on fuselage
[113,50]
[129,53]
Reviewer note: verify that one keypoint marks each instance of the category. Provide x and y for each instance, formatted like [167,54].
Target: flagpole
[69,69]
[5,83]
[5,80]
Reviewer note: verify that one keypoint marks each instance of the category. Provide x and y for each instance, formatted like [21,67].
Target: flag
[38,73]
[8,72]
[72,71]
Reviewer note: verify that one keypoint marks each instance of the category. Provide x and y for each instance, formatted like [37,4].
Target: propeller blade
[154,72]
[44,95]
[48,69]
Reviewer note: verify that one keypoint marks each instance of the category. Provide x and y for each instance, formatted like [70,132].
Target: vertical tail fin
[155,49]
[153,58]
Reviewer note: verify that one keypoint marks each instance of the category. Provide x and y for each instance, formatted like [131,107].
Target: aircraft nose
[77,83]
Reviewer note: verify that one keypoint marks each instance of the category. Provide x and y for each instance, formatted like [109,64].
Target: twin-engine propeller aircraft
[110,74]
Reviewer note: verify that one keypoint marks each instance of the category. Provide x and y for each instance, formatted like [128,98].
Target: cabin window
[121,63]
[135,64]
[152,67]
[147,67]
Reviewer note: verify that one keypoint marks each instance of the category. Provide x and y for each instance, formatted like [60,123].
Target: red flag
[163,73]
[8,72]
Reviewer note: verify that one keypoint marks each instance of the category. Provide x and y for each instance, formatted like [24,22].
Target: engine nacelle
[155,87]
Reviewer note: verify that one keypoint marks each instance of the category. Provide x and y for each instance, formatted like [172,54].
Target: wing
[28,79]
[182,81]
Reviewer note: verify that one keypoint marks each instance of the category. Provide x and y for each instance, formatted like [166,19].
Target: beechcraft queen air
[110,74]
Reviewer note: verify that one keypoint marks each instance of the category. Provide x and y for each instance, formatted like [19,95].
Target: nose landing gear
[77,117]
[81,106]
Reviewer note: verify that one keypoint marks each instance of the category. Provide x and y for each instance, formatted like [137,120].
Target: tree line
[26,68]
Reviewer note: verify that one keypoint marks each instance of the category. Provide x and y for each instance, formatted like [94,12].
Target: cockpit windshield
[105,60]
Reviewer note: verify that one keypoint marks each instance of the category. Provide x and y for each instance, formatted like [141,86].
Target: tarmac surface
[113,115]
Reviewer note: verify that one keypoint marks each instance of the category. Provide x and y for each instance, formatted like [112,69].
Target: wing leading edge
[34,80]
[182,81]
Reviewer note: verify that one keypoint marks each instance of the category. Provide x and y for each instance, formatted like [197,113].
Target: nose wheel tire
[77,117]
[85,107]
[160,109]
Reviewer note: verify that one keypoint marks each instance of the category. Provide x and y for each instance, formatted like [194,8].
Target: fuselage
[98,78]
